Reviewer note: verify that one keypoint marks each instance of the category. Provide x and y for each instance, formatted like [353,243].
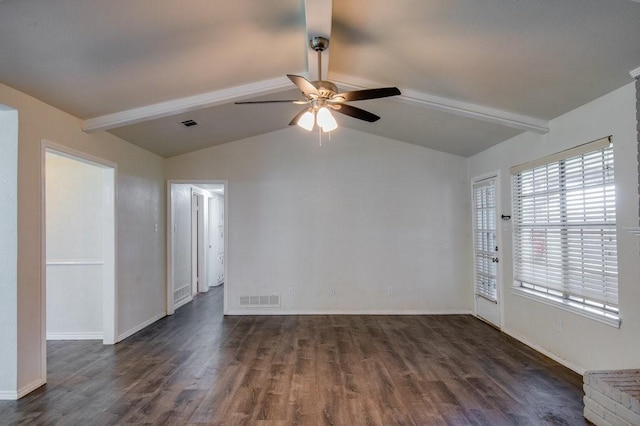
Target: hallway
[198,367]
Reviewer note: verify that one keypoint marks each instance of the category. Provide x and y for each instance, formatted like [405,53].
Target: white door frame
[500,289]
[198,236]
[212,235]
[170,222]
[110,287]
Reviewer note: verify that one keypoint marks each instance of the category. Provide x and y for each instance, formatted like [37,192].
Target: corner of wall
[638,133]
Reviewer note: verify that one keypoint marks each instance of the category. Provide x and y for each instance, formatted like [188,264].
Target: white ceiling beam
[317,15]
[452,106]
[181,105]
[635,73]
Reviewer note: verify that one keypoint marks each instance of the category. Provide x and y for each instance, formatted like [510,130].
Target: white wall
[140,206]
[75,259]
[582,343]
[181,207]
[358,214]
[8,250]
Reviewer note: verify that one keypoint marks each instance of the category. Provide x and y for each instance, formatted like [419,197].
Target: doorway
[195,253]
[486,250]
[79,288]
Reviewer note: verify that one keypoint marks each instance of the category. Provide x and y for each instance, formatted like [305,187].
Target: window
[564,230]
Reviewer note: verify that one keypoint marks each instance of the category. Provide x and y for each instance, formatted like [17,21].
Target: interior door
[486,250]
[198,279]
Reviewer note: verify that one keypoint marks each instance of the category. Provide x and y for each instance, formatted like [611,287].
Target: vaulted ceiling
[472,74]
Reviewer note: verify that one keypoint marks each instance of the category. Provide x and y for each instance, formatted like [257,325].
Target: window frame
[599,310]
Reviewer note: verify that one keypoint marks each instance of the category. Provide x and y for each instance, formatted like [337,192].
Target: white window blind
[564,230]
[485,241]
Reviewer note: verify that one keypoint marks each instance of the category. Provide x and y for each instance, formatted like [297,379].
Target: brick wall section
[612,397]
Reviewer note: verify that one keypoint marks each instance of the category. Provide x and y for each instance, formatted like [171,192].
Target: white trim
[194,240]
[14,395]
[77,155]
[198,234]
[30,387]
[74,262]
[265,87]
[271,311]
[227,218]
[635,73]
[139,327]
[8,395]
[557,358]
[65,335]
[452,106]
[182,302]
[566,306]
[186,104]
[169,297]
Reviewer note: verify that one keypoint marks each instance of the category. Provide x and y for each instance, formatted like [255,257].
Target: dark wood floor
[200,368]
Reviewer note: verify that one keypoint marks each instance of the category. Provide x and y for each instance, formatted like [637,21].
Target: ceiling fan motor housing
[326,88]
[319,44]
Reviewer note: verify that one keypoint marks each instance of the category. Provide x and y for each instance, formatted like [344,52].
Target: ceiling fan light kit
[325,120]
[323,97]
[307,120]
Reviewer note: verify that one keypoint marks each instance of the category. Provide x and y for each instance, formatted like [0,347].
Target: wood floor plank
[198,367]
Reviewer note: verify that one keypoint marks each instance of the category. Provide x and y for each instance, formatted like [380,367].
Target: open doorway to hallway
[78,273]
[196,238]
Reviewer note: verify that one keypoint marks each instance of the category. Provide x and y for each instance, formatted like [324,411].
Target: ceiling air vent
[188,123]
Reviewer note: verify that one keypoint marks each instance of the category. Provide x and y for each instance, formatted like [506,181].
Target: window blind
[564,237]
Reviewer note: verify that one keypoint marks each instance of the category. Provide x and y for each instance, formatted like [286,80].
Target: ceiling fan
[323,97]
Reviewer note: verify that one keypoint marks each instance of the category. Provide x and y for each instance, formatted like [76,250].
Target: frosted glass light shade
[326,120]
[307,121]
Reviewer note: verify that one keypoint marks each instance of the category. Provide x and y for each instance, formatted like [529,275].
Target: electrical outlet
[332,292]
[291,291]
[389,291]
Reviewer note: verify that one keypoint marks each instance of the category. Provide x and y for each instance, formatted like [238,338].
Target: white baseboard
[13,395]
[272,311]
[8,395]
[139,327]
[183,302]
[555,357]
[70,335]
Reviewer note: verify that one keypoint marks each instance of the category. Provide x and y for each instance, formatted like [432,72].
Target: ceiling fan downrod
[319,44]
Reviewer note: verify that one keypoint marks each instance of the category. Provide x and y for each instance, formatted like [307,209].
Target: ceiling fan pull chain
[319,65]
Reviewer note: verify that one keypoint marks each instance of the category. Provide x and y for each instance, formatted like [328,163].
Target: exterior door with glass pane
[485,248]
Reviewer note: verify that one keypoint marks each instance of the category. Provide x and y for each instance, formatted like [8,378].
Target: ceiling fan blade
[355,112]
[297,117]
[304,85]
[361,95]
[276,101]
